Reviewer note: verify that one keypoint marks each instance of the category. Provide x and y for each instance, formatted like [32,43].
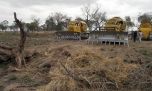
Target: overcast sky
[26,9]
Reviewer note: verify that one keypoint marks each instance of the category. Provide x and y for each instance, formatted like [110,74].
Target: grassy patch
[146,52]
[9,37]
[147,55]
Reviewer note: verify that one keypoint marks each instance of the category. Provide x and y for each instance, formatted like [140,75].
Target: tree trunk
[20,48]
[7,53]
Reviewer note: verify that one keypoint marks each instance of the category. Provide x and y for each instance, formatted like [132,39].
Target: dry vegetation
[57,65]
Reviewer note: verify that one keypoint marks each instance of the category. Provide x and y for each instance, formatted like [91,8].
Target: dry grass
[104,67]
[87,64]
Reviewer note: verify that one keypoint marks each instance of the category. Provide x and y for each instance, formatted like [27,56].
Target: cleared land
[66,65]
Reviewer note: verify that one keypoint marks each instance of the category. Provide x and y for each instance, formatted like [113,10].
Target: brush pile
[79,68]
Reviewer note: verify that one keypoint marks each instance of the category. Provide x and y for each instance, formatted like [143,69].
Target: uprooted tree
[17,54]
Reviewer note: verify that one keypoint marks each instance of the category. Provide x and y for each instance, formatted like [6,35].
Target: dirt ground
[103,66]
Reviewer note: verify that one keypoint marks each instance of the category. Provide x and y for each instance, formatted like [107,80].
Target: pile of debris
[84,69]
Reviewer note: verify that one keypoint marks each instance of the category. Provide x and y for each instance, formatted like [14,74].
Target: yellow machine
[115,24]
[75,30]
[146,29]
[113,32]
[77,26]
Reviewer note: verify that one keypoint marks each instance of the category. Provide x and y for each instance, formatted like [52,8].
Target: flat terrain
[104,67]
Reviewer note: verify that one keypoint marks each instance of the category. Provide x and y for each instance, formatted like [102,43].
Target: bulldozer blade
[108,37]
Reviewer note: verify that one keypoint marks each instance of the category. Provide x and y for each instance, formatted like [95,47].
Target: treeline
[93,16]
[56,22]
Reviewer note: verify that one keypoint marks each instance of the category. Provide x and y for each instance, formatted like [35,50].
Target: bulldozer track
[66,35]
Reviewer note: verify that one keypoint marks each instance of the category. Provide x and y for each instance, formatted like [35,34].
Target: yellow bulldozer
[146,29]
[76,30]
[114,31]
[77,26]
[115,24]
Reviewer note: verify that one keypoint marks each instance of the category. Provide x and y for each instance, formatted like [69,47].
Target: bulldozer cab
[112,33]
[115,24]
[76,31]
[77,26]
[146,29]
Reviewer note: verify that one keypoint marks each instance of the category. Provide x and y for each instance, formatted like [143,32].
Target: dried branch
[19,55]
[7,52]
[22,33]
[79,80]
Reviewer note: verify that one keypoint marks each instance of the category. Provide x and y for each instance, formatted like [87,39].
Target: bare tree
[98,17]
[86,10]
[79,19]
[129,22]
[145,17]
[59,17]
[93,16]
[60,20]
[7,53]
[20,49]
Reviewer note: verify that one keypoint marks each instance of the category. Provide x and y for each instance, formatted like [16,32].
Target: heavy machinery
[112,32]
[146,29]
[115,24]
[76,30]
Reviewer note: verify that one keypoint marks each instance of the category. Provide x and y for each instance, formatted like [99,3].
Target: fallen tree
[17,54]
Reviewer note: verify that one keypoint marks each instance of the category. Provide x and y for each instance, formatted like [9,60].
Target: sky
[26,9]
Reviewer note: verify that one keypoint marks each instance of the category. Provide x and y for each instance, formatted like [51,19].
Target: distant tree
[93,16]
[4,25]
[129,22]
[50,23]
[86,10]
[98,17]
[79,19]
[55,21]
[36,23]
[42,27]
[59,26]
[61,20]
[145,17]
[13,27]
[59,17]
[33,26]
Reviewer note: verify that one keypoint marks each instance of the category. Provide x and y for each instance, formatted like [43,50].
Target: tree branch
[82,81]
[22,33]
